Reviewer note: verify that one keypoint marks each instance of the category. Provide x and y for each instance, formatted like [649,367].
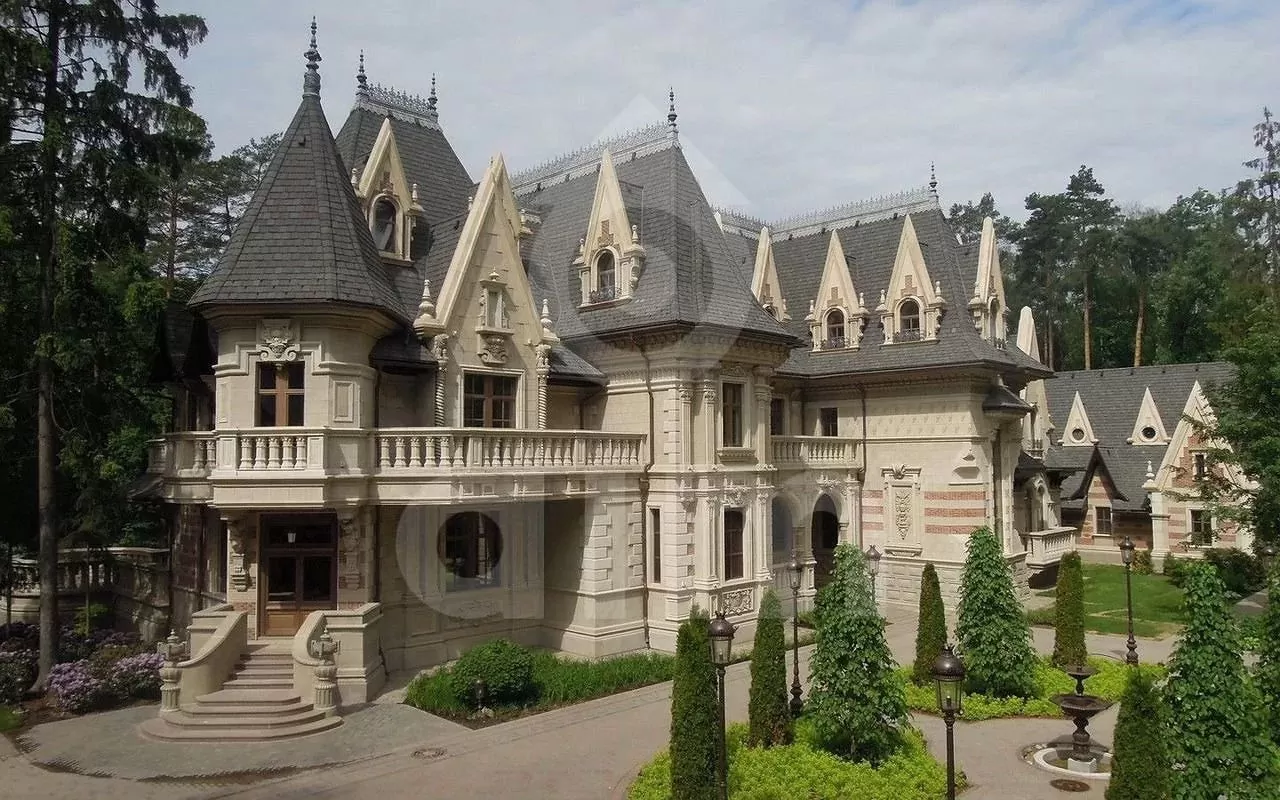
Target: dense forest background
[114,204]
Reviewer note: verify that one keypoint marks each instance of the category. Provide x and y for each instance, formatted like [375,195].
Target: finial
[311,81]
[671,109]
[933,180]
[427,308]
[937,288]
[635,234]
[361,81]
[413,193]
[431,98]
[546,314]
[1150,474]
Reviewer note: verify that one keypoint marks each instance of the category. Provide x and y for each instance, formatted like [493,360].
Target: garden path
[585,752]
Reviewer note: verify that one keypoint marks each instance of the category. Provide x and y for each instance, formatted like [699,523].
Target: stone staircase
[257,703]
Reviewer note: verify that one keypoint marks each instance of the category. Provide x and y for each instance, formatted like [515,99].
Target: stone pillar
[710,419]
[707,547]
[355,560]
[326,673]
[242,566]
[762,528]
[1159,528]
[543,370]
[686,423]
[763,394]
[440,347]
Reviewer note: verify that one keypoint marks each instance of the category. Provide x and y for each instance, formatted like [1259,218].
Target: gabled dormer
[838,316]
[610,256]
[1078,431]
[491,340]
[911,308]
[764,280]
[1148,428]
[987,306]
[390,202]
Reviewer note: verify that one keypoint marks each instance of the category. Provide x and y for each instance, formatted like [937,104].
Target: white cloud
[787,107]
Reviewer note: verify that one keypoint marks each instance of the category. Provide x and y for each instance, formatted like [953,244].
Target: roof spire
[311,81]
[432,113]
[362,82]
[933,180]
[671,110]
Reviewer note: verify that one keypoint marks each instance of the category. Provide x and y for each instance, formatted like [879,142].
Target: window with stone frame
[1201,527]
[734,530]
[731,414]
[488,400]
[382,224]
[606,277]
[908,321]
[280,394]
[829,421]
[777,417]
[470,549]
[834,329]
[1199,466]
[1102,521]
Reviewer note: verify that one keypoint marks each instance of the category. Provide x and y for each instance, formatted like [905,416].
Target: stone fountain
[1084,756]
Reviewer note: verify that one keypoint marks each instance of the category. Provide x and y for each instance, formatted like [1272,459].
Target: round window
[1148,433]
[1077,434]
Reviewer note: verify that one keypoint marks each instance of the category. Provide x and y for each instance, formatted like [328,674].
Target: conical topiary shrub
[1068,613]
[767,711]
[858,704]
[1140,761]
[1217,728]
[931,632]
[995,638]
[695,713]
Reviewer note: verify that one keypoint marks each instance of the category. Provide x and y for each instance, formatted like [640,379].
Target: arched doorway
[824,531]
[783,533]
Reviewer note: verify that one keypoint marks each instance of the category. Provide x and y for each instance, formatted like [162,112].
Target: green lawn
[9,719]
[1157,603]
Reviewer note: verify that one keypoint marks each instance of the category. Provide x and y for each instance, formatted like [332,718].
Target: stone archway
[824,533]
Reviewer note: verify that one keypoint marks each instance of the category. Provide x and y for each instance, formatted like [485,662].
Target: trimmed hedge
[931,635]
[1140,766]
[805,770]
[1068,620]
[767,710]
[1108,683]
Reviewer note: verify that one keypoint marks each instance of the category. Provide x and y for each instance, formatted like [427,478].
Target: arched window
[384,224]
[606,272]
[835,329]
[909,321]
[470,548]
[993,317]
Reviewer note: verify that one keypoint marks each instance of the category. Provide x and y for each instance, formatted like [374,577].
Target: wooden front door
[299,571]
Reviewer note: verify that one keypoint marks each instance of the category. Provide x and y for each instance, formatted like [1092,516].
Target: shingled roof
[870,248]
[303,238]
[1112,399]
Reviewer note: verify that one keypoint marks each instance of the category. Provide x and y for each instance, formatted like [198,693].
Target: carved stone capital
[278,341]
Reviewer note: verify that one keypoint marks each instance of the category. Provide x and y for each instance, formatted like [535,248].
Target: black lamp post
[948,675]
[796,572]
[1267,555]
[721,633]
[1126,555]
[873,566]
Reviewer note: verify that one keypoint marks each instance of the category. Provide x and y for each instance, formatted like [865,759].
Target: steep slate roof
[1112,399]
[871,248]
[690,277]
[303,238]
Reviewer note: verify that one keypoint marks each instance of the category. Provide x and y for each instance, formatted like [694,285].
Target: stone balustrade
[489,449]
[797,452]
[1047,547]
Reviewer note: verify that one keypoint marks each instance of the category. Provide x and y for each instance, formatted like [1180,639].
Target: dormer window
[908,321]
[770,310]
[606,277]
[994,321]
[383,224]
[495,314]
[835,330]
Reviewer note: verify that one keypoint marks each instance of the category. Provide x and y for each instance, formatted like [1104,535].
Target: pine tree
[1140,762]
[1268,674]
[995,638]
[1217,726]
[1068,616]
[695,713]
[858,704]
[767,711]
[931,633]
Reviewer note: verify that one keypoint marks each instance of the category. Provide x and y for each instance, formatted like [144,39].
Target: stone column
[354,557]
[763,394]
[763,529]
[710,419]
[543,370]
[242,566]
[686,423]
[1159,528]
[440,348]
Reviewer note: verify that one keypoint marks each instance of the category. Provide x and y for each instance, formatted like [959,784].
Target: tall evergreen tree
[1218,732]
[767,711]
[88,138]
[1068,614]
[1140,764]
[695,713]
[995,638]
[859,711]
[931,630]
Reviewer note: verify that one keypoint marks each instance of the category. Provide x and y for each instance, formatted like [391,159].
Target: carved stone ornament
[735,495]
[738,601]
[493,350]
[899,471]
[544,356]
[440,347]
[237,534]
[902,513]
[278,341]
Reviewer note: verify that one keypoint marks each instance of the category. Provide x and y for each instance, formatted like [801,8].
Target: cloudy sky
[787,107]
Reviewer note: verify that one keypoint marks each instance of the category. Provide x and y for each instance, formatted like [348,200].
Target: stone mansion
[567,404]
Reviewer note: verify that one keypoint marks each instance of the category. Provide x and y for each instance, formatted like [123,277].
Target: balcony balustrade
[798,452]
[1047,547]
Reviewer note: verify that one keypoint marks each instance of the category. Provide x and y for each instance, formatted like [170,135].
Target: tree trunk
[1088,321]
[1142,321]
[172,256]
[46,447]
